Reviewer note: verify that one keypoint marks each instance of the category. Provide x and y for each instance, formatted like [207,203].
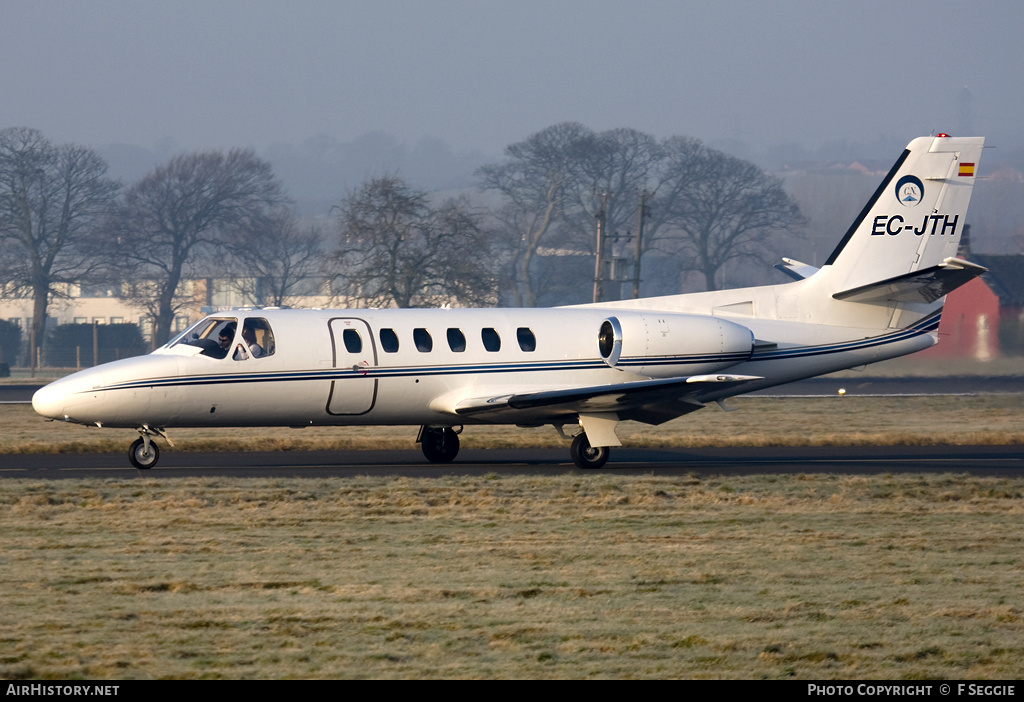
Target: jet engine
[672,345]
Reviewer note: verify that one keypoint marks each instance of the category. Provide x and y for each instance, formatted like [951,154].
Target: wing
[648,401]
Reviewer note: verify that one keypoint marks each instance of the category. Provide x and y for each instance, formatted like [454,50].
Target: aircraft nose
[49,401]
[64,396]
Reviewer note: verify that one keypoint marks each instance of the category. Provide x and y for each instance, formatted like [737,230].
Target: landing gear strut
[586,456]
[439,444]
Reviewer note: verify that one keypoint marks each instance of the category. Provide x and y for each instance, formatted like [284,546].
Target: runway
[1004,461]
[975,460]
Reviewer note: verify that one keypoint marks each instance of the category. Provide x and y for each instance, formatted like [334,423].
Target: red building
[970,324]
[985,318]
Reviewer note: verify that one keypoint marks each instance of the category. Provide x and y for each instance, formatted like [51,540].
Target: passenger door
[354,389]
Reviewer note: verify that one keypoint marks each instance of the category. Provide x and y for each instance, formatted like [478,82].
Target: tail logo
[909,191]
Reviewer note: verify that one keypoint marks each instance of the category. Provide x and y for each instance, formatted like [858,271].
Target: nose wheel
[143,453]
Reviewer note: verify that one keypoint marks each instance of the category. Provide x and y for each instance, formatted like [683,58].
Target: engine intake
[609,341]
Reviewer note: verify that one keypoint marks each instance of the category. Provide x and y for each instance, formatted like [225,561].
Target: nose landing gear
[143,453]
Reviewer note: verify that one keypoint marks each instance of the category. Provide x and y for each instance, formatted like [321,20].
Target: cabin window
[456,340]
[389,340]
[421,337]
[527,341]
[492,342]
[353,342]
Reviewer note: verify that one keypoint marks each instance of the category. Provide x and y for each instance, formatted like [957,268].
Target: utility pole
[599,264]
[641,215]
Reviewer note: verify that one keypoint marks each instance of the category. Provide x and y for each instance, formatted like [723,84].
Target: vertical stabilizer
[914,220]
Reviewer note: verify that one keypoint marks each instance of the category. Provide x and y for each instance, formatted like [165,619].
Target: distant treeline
[674,214]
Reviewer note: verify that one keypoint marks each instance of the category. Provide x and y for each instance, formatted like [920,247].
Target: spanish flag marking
[967,169]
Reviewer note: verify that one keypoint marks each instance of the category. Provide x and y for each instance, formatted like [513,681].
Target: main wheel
[140,457]
[440,445]
[586,456]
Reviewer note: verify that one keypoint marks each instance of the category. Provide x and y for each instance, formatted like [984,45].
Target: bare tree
[172,223]
[273,256]
[726,209]
[538,181]
[554,183]
[395,249]
[618,164]
[51,199]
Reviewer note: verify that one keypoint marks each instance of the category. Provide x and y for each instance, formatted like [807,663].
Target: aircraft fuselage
[398,367]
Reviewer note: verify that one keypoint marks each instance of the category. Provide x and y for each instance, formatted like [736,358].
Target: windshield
[219,336]
[213,335]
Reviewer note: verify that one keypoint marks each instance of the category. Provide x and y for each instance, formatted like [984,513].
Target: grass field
[563,576]
[573,576]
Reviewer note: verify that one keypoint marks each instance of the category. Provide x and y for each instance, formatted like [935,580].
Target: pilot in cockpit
[249,336]
[227,335]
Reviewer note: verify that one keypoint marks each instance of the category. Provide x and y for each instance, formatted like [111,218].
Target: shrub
[10,342]
[69,344]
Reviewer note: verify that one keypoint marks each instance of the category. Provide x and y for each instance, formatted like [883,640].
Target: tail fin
[905,239]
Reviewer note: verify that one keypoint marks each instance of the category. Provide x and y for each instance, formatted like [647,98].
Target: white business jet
[582,369]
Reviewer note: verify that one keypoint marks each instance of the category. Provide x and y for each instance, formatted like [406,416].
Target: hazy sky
[482,74]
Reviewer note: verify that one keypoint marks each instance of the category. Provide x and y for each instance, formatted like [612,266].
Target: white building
[88,304]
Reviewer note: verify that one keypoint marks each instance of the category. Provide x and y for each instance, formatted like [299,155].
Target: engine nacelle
[672,345]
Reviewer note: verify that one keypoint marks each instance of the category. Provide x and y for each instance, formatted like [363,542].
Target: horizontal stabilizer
[796,270]
[925,285]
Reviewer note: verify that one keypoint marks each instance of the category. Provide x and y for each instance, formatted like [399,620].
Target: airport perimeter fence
[69,347]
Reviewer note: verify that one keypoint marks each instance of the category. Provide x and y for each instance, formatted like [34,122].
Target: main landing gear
[439,444]
[143,453]
[582,453]
[586,456]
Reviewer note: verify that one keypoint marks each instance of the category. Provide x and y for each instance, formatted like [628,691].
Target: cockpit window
[257,339]
[213,335]
[219,336]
